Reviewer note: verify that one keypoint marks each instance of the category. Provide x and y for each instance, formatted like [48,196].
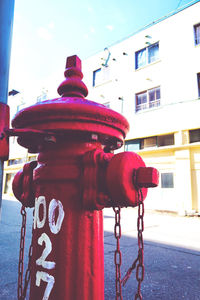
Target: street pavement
[171,253]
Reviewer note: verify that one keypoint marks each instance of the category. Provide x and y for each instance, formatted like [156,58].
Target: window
[150,142]
[198,84]
[141,58]
[153,53]
[197,34]
[8,183]
[100,76]
[133,145]
[16,161]
[194,135]
[146,56]
[32,158]
[148,99]
[96,76]
[167,180]
[165,140]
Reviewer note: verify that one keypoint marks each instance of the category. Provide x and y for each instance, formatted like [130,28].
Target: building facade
[153,79]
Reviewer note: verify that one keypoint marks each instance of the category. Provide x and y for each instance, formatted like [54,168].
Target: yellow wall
[184,162]
[182,159]
[10,171]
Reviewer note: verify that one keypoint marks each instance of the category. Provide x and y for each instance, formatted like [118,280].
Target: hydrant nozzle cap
[73,86]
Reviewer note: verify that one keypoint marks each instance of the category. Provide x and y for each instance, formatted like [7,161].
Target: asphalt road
[171,254]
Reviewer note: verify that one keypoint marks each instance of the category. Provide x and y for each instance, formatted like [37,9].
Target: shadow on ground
[171,273]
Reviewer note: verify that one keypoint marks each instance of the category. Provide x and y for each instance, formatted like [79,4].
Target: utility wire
[178,4]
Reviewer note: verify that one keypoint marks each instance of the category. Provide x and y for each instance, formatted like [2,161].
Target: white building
[153,78]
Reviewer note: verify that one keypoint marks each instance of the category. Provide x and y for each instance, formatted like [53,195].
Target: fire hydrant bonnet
[73,114]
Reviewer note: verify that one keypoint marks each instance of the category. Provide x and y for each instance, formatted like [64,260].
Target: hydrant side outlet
[120,178]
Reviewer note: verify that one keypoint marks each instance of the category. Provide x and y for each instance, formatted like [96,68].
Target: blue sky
[47,31]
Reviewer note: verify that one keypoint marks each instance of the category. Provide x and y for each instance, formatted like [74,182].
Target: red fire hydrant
[74,178]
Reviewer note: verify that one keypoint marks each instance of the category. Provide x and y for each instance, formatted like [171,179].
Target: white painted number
[55,227]
[47,250]
[50,283]
[55,219]
[38,202]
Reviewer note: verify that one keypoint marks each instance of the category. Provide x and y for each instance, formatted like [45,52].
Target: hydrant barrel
[68,256]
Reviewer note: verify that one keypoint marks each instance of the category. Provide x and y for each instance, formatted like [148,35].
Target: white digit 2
[50,283]
[41,261]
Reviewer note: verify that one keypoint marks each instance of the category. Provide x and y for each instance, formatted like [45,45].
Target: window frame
[94,76]
[198,84]
[194,135]
[148,104]
[163,181]
[103,76]
[150,142]
[196,34]
[132,145]
[146,53]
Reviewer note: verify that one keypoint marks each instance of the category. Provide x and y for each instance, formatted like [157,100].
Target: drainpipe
[6,25]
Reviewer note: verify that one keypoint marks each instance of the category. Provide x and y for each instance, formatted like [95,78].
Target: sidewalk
[171,254]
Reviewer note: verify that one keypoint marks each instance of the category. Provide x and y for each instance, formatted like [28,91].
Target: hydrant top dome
[72,114]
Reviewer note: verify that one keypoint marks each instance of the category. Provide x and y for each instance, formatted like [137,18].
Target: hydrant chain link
[118,255]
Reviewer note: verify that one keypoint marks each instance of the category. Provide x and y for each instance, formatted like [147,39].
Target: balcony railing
[147,105]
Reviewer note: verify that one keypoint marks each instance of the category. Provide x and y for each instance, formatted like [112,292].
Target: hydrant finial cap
[73,86]
[73,61]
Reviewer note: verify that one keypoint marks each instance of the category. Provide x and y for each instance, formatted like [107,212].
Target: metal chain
[21,255]
[28,271]
[140,228]
[21,292]
[118,255]
[139,261]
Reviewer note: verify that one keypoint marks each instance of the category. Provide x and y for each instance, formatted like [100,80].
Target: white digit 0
[55,226]
[37,222]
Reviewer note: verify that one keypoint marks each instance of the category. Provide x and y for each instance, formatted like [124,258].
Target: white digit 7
[50,283]
[41,261]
